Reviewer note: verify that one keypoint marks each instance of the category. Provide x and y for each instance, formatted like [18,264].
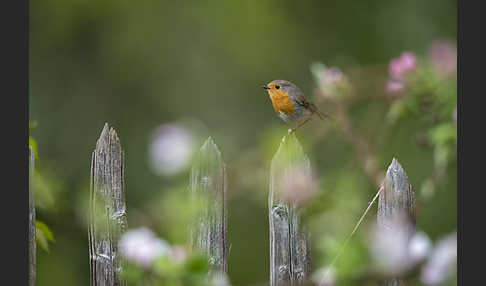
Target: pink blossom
[401,66]
[142,246]
[332,81]
[393,86]
[332,75]
[444,57]
[178,253]
[441,262]
[299,185]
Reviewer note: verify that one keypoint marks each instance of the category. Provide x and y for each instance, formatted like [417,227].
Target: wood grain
[208,182]
[32,229]
[107,213]
[395,203]
[290,259]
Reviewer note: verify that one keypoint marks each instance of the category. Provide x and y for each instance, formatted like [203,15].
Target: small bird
[290,103]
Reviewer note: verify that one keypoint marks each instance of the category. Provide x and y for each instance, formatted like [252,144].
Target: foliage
[32,142]
[43,235]
[140,67]
[166,271]
[416,89]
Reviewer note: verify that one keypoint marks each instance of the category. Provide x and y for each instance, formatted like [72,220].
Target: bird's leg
[301,124]
[292,130]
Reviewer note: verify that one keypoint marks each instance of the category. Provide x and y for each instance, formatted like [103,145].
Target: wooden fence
[32,233]
[208,181]
[107,211]
[290,259]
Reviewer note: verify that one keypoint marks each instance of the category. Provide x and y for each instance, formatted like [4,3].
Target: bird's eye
[277,86]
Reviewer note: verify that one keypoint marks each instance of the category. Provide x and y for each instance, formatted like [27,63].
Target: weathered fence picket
[32,233]
[396,206]
[290,259]
[208,182]
[107,212]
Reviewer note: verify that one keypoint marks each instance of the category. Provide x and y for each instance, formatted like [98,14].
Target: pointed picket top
[397,197]
[289,152]
[209,154]
[208,168]
[397,177]
[208,182]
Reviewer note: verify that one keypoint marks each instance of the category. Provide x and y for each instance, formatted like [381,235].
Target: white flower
[142,246]
[389,249]
[397,248]
[171,149]
[419,247]
[441,262]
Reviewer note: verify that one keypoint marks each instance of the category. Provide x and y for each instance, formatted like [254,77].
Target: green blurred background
[137,65]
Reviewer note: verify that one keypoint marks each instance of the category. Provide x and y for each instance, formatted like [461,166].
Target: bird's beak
[265,86]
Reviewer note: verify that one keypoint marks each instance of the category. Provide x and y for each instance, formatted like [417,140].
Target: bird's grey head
[285,85]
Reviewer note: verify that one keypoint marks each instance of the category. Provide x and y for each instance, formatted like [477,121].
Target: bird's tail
[322,116]
[316,110]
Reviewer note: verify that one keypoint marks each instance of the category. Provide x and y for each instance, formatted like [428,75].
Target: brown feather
[302,100]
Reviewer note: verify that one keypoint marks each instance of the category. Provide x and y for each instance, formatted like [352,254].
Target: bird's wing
[302,100]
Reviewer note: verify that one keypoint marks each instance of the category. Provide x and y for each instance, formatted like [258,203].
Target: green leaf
[33,144]
[43,235]
[196,263]
[132,273]
[44,189]
[443,134]
[398,110]
[317,68]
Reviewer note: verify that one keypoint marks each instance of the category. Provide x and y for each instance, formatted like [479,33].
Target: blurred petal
[443,55]
[419,247]
[332,81]
[178,253]
[442,261]
[141,246]
[394,86]
[390,247]
[403,65]
[299,185]
[171,149]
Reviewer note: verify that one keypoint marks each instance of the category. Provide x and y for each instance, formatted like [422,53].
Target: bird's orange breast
[281,102]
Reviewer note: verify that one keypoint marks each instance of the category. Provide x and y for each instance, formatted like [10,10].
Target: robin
[290,103]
